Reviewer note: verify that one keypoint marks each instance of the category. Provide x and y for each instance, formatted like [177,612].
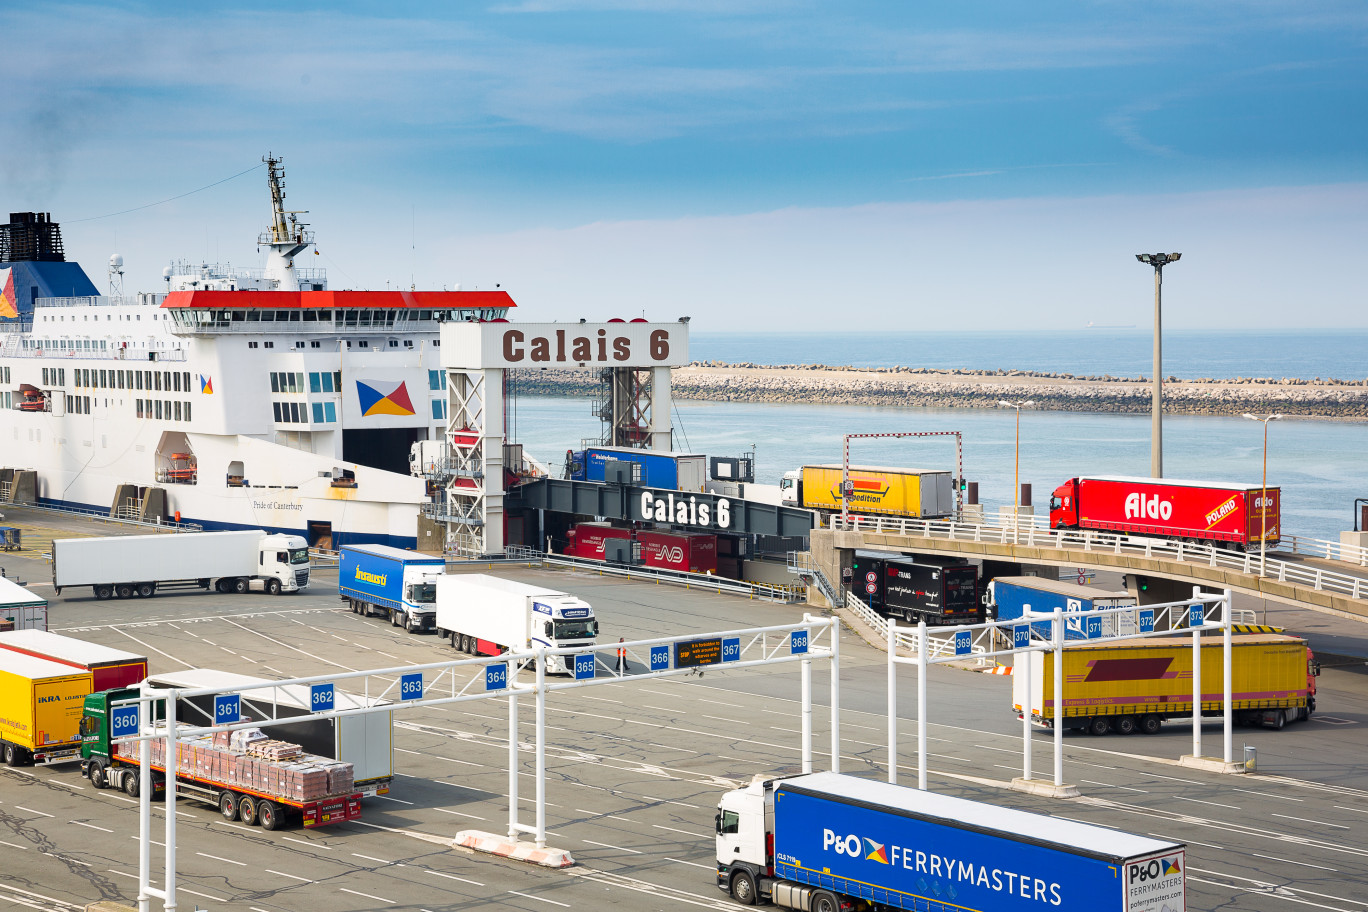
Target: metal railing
[1087,541]
[118,517]
[800,563]
[939,647]
[765,591]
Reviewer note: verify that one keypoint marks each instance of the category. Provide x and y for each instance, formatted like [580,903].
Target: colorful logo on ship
[9,303]
[206,385]
[383,397]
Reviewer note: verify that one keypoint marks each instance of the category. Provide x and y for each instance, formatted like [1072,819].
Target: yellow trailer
[881,490]
[40,709]
[1134,685]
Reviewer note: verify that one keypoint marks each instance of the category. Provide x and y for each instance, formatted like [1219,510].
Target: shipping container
[109,668]
[586,539]
[654,469]
[691,552]
[1009,597]
[1134,685]
[392,583]
[875,490]
[1237,515]
[40,709]
[827,842]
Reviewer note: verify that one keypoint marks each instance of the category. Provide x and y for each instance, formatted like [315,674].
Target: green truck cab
[98,763]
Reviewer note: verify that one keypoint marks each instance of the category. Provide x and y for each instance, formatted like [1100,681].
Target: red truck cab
[1064,506]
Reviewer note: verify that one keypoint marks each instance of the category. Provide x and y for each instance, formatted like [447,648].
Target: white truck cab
[741,826]
[561,622]
[788,487]
[284,560]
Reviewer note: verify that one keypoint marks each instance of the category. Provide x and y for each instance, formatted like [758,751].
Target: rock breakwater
[924,387]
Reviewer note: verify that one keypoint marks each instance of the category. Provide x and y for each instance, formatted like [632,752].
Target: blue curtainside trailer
[398,584]
[1010,596]
[827,842]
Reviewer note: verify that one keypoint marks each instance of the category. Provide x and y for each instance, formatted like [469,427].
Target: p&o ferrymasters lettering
[1013,883]
[376,578]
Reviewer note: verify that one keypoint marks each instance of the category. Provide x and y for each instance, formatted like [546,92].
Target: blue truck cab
[826,842]
[391,582]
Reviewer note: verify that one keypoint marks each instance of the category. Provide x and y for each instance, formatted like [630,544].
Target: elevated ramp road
[1307,584]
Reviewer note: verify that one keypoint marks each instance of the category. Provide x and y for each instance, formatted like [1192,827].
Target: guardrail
[103,516]
[721,584]
[938,647]
[1249,562]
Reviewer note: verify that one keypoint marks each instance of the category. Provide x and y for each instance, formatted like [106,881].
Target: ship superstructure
[232,398]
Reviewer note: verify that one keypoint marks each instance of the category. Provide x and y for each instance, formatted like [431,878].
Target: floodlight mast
[1158,261]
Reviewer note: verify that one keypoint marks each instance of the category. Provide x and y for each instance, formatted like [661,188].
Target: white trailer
[122,566]
[486,615]
[366,741]
[20,608]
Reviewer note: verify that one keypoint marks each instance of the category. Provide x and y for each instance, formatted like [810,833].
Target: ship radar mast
[287,236]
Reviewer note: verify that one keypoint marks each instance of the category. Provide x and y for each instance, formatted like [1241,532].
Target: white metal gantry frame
[947,644]
[475,438]
[444,683]
[845,464]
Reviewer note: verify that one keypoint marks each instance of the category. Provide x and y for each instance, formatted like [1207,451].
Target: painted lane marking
[216,858]
[458,813]
[312,845]
[1304,864]
[291,876]
[539,899]
[1110,786]
[693,864]
[673,830]
[1338,826]
[454,877]
[1229,807]
[15,845]
[607,846]
[91,826]
[395,800]
[1187,841]
[20,807]
[367,895]
[1266,794]
[371,858]
[204,895]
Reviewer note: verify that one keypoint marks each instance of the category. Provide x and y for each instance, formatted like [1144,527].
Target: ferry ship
[231,398]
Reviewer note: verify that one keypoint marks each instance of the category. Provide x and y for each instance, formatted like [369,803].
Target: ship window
[185,375]
[318,413]
[337,381]
[438,409]
[315,344]
[268,345]
[166,381]
[268,316]
[330,411]
[251,345]
[299,343]
[276,407]
[327,379]
[138,403]
[394,343]
[275,382]
[137,379]
[253,316]
[177,411]
[187,411]
[434,380]
[176,380]
[158,409]
[310,316]
[61,376]
[156,379]
[315,383]
[294,387]
[408,343]
[239,316]
[295,415]
[294,316]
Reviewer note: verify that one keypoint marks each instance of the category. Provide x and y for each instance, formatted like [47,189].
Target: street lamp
[1158,261]
[1016,474]
[1263,506]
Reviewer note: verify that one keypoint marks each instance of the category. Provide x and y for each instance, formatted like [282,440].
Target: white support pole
[921,704]
[892,702]
[806,679]
[1026,709]
[541,750]
[835,695]
[1196,681]
[1228,615]
[512,763]
[169,809]
[1058,697]
[144,802]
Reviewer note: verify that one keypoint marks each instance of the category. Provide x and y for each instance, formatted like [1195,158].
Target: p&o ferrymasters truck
[825,842]
[125,566]
[486,615]
[390,582]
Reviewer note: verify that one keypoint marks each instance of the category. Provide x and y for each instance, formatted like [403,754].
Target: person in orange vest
[621,656]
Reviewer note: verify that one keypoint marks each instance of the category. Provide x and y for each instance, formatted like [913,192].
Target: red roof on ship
[267,300]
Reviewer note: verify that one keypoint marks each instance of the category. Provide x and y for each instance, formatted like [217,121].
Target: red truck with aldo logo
[1230,515]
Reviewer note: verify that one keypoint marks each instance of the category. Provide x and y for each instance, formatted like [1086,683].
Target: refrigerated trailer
[487,615]
[1233,515]
[40,709]
[21,608]
[109,668]
[826,842]
[124,566]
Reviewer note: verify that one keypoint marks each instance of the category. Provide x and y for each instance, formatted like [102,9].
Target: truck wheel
[273,587]
[145,590]
[269,815]
[1125,725]
[1098,725]
[97,774]
[240,586]
[1151,724]
[743,888]
[396,618]
[132,783]
[12,756]
[125,591]
[1279,720]
[247,810]
[822,901]
[103,592]
[228,805]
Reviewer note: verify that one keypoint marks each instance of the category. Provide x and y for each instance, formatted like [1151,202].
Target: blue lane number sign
[124,721]
[798,642]
[1195,616]
[321,697]
[1147,621]
[584,666]
[1094,627]
[496,676]
[731,649]
[227,708]
[411,686]
[1021,636]
[963,642]
[660,658]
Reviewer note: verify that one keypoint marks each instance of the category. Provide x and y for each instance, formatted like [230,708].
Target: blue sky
[753,164]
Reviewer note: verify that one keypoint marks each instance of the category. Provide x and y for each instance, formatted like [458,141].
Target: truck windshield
[1054,503]
[299,555]
[423,593]
[576,630]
